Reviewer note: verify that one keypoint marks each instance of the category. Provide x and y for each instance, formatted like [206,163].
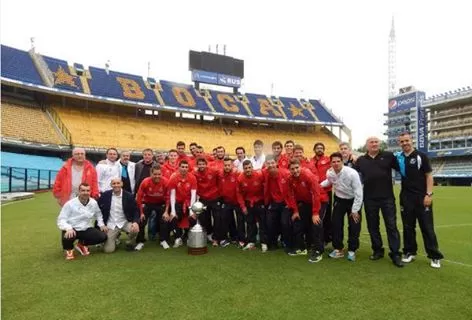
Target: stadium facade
[441,126]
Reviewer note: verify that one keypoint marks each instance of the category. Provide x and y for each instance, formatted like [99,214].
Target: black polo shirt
[376,174]
[417,165]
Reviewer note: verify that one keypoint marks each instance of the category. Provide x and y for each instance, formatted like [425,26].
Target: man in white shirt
[120,213]
[347,199]
[241,157]
[259,158]
[127,169]
[75,221]
[107,170]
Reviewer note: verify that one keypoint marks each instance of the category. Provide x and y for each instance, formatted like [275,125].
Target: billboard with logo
[421,124]
[403,102]
[216,78]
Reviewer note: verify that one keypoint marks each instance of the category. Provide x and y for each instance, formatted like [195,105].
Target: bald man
[120,214]
[75,171]
[375,168]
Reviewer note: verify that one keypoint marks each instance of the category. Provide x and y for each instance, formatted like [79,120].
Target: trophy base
[197,251]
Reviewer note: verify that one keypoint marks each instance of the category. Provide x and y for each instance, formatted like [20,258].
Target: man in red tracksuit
[306,206]
[276,192]
[322,164]
[209,194]
[228,182]
[152,196]
[218,163]
[251,200]
[171,165]
[183,193]
[281,159]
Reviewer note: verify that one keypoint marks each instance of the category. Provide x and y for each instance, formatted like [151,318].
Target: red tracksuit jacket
[152,193]
[250,189]
[168,169]
[276,187]
[207,183]
[228,184]
[305,189]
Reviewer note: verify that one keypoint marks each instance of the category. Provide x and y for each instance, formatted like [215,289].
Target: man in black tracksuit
[416,202]
[375,168]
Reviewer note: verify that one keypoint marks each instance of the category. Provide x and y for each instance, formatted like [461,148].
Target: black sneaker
[315,257]
[397,261]
[376,256]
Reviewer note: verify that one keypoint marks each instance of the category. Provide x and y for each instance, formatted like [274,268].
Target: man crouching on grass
[76,221]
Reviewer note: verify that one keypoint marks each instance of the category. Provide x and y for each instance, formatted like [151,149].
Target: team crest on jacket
[187,185]
[233,179]
[303,183]
[412,161]
[256,183]
[210,177]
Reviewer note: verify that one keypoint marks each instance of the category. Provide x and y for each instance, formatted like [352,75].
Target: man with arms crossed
[120,213]
[76,220]
[375,168]
[347,200]
[416,202]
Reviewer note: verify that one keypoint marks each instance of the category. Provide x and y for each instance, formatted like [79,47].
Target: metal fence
[25,179]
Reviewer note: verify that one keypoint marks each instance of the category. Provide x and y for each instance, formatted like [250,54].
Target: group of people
[284,199]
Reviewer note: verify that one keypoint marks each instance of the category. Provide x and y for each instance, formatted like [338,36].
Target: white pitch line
[454,225]
[446,260]
[16,201]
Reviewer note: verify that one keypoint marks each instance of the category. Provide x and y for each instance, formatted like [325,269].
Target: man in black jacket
[375,168]
[120,213]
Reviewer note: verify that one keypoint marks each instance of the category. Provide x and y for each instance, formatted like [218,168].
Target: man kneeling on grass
[76,222]
[120,213]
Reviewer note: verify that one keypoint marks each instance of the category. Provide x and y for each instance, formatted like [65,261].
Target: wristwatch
[429,194]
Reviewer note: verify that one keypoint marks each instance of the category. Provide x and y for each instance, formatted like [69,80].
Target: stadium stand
[103,130]
[28,124]
[105,84]
[17,65]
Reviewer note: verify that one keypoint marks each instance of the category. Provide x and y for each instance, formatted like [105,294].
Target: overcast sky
[333,50]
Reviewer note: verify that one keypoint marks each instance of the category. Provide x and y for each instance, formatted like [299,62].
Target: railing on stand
[26,179]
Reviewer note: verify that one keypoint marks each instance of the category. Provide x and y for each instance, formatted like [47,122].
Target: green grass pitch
[37,283]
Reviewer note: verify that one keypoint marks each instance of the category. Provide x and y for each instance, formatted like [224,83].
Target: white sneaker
[436,263]
[177,243]
[264,247]
[139,246]
[249,246]
[210,238]
[408,258]
[165,245]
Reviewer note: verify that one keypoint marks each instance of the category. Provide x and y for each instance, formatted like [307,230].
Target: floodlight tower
[392,62]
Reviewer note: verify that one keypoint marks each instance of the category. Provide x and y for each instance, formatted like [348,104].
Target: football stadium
[53,109]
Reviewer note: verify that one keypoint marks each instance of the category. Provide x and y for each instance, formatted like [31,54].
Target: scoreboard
[217,69]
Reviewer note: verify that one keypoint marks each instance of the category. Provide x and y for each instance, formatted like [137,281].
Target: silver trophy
[197,237]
